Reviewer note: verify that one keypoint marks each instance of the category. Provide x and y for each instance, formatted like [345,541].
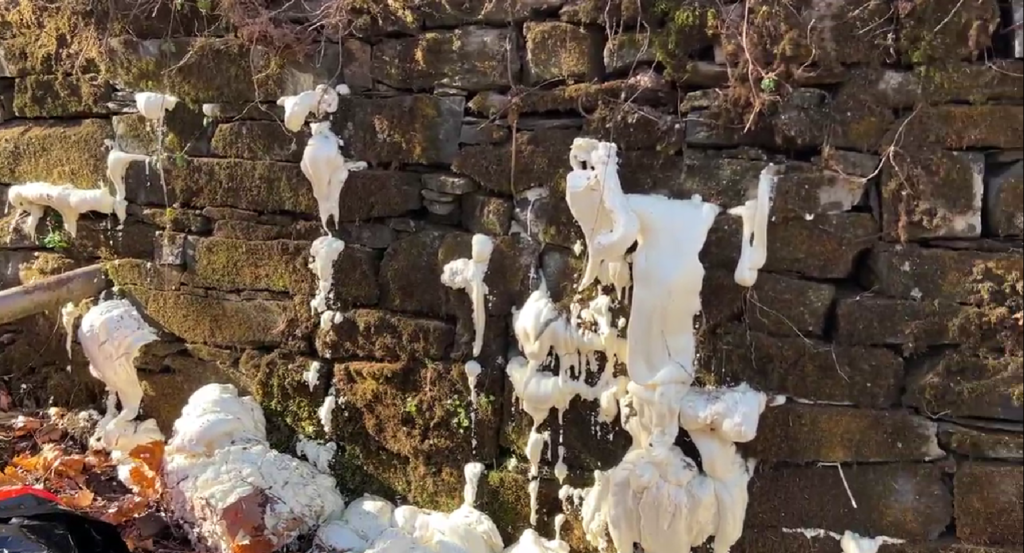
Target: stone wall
[889,308]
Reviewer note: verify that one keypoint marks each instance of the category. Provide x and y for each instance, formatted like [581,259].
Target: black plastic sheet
[32,522]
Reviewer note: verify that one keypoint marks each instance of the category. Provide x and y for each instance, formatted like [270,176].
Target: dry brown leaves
[54,462]
[243,520]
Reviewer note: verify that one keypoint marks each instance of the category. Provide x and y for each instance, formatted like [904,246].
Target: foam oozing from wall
[656,497]
[327,170]
[468,275]
[34,197]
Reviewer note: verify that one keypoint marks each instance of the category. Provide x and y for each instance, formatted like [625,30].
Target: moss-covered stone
[144,274]
[961,384]
[958,127]
[279,266]
[572,98]
[416,129]
[46,96]
[469,58]
[258,140]
[946,30]
[510,272]
[860,119]
[636,128]
[878,321]
[276,380]
[409,275]
[912,272]
[627,13]
[186,132]
[560,51]
[825,246]
[538,160]
[816,497]
[988,502]
[981,444]
[59,152]
[40,265]
[804,433]
[220,322]
[486,214]
[183,66]
[971,82]
[802,368]
[931,193]
[625,51]
[373,334]
[778,305]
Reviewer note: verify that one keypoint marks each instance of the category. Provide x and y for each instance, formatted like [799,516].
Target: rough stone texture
[537,160]
[561,51]
[961,127]
[960,384]
[988,503]
[805,369]
[909,501]
[59,152]
[1004,191]
[403,286]
[408,129]
[470,58]
[930,274]
[385,336]
[46,96]
[776,304]
[486,214]
[924,37]
[871,320]
[981,444]
[186,132]
[805,433]
[258,140]
[933,194]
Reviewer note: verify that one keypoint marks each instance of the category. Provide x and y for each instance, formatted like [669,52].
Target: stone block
[58,152]
[797,123]
[184,66]
[479,131]
[221,322]
[912,272]
[1004,200]
[988,503]
[981,444]
[416,129]
[961,384]
[804,369]
[636,128]
[469,58]
[6,98]
[357,64]
[510,276]
[810,433]
[945,30]
[547,219]
[776,304]
[186,132]
[73,96]
[625,13]
[860,119]
[976,83]
[251,231]
[444,13]
[826,246]
[10,263]
[958,127]
[278,266]
[876,321]
[144,274]
[849,163]
[258,140]
[539,160]
[625,51]
[486,214]
[908,501]
[169,248]
[385,336]
[561,269]
[560,51]
[410,275]
[100,238]
[933,194]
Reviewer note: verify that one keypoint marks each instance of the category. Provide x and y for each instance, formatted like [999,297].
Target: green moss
[276,381]
[47,96]
[59,152]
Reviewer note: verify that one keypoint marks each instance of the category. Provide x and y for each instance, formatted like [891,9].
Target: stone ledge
[373,334]
[962,384]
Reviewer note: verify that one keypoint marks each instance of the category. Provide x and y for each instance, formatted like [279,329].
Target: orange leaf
[24,425]
[13,475]
[152,454]
[254,545]
[126,508]
[245,516]
[144,481]
[82,499]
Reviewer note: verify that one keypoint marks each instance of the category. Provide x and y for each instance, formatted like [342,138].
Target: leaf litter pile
[49,450]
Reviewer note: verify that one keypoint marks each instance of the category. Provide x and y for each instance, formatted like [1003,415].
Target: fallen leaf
[126,508]
[152,454]
[245,516]
[254,545]
[25,425]
[5,401]
[80,500]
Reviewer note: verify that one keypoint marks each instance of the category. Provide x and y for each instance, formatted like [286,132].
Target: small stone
[436,196]
[946,191]
[449,183]
[982,444]
[440,208]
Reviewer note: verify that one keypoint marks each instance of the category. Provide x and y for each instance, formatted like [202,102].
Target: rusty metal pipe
[52,292]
